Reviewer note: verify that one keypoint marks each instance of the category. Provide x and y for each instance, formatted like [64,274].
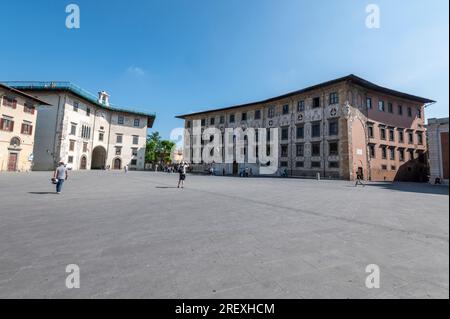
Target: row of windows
[12,103]
[134,151]
[314,164]
[120,119]
[390,108]
[389,133]
[333,99]
[391,152]
[133,162]
[333,149]
[119,139]
[7,124]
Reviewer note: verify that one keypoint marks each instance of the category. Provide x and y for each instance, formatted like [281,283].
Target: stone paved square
[137,236]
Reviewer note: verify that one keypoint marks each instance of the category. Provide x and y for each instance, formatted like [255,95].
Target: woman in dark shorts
[182,170]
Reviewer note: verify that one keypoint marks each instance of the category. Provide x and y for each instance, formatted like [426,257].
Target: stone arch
[98,160]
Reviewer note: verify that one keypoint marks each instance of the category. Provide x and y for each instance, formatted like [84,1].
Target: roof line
[352,78]
[23,94]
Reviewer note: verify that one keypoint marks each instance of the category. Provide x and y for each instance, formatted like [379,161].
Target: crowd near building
[76,127]
[437,130]
[17,129]
[334,129]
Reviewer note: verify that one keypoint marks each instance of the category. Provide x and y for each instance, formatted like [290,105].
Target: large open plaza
[136,235]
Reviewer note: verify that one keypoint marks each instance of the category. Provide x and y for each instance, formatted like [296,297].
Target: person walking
[125,168]
[359,178]
[60,175]
[182,170]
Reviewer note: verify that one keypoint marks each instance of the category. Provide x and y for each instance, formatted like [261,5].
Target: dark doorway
[117,164]
[83,162]
[98,158]
[12,162]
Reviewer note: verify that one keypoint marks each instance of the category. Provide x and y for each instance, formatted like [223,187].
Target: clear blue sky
[174,57]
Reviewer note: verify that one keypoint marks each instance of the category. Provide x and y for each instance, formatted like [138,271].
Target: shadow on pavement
[412,187]
[41,193]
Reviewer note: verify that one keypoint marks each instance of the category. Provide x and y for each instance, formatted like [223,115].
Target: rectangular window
[316,102]
[212,121]
[409,111]
[419,138]
[85,145]
[333,164]
[244,116]
[119,138]
[284,150]
[222,119]
[334,98]
[284,133]
[391,135]
[88,112]
[383,152]
[76,106]
[400,136]
[73,129]
[100,136]
[85,132]
[203,122]
[315,149]
[231,118]
[400,110]
[283,164]
[257,114]
[410,138]
[369,103]
[133,162]
[71,145]
[384,167]
[27,129]
[419,112]
[299,164]
[136,122]
[10,102]
[70,159]
[134,151]
[271,112]
[390,108]
[392,153]
[401,155]
[333,128]
[382,133]
[286,109]
[381,106]
[370,131]
[315,129]
[411,154]
[28,109]
[300,132]
[300,150]
[120,120]
[393,167]
[315,164]
[301,106]
[135,139]
[333,148]
[372,151]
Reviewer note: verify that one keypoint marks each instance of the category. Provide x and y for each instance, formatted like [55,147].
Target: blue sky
[173,57]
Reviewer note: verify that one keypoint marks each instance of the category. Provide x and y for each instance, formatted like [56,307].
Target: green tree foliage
[158,150]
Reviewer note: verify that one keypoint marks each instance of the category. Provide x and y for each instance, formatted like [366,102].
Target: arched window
[15,141]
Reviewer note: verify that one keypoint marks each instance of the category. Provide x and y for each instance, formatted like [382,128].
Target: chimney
[103,98]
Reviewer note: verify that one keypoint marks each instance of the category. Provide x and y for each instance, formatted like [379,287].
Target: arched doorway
[83,162]
[98,158]
[235,168]
[117,163]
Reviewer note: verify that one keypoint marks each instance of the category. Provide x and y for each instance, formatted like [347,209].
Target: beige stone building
[85,131]
[437,132]
[17,129]
[335,129]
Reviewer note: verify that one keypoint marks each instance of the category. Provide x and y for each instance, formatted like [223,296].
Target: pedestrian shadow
[165,187]
[41,193]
